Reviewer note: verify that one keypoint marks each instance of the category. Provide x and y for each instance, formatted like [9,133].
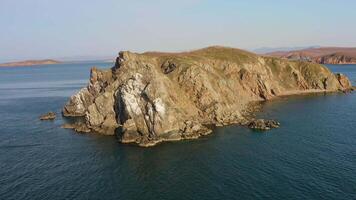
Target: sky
[39,29]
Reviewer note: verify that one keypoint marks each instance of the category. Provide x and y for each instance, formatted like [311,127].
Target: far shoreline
[15,65]
[30,63]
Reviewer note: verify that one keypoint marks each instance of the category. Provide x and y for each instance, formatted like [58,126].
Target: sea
[311,156]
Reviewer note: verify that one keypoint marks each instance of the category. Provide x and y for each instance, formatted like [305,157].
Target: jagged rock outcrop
[153,97]
[344,81]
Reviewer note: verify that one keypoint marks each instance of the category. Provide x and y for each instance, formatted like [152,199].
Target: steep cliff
[153,97]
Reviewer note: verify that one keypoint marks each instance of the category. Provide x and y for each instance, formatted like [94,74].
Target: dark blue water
[312,156]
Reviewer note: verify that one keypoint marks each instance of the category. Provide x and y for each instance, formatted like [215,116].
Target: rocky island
[153,97]
[30,63]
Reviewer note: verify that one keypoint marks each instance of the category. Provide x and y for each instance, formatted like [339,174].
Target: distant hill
[29,63]
[322,55]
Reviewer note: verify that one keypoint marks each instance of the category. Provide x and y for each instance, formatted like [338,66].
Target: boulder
[48,116]
[263,124]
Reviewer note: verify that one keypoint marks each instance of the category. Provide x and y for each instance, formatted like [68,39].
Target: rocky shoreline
[323,55]
[154,97]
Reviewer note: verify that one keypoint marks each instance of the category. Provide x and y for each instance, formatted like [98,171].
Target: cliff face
[336,59]
[153,97]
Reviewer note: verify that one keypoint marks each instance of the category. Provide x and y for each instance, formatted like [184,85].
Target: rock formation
[262,124]
[152,97]
[48,116]
[78,127]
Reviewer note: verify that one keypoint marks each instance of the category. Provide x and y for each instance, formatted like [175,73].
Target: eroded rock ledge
[154,97]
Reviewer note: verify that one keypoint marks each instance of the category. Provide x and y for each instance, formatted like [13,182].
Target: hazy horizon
[39,29]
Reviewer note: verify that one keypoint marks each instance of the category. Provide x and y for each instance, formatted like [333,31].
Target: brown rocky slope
[153,97]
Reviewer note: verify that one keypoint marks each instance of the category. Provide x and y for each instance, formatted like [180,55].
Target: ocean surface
[312,155]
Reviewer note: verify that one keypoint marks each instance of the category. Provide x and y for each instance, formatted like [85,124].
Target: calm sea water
[312,156]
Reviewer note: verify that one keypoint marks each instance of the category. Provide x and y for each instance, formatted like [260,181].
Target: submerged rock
[263,124]
[48,116]
[155,97]
[78,127]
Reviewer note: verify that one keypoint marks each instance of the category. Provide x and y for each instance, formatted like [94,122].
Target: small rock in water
[48,116]
[262,124]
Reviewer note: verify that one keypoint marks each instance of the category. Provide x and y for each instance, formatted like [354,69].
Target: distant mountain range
[322,55]
[30,63]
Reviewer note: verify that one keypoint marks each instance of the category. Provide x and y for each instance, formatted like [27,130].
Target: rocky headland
[153,97]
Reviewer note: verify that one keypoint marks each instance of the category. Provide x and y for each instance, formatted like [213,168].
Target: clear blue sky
[61,28]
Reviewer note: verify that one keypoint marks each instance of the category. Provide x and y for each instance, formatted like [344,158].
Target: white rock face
[144,108]
[159,107]
[131,93]
[78,103]
[78,99]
